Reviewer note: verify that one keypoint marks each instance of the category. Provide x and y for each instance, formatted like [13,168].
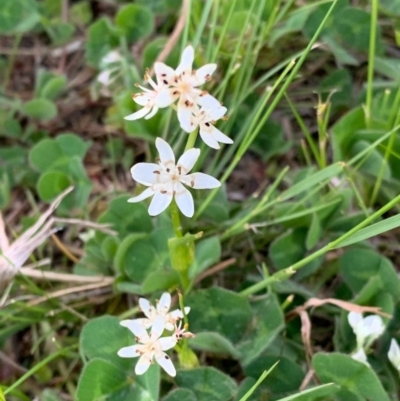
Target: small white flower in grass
[165,180]
[181,332]
[204,118]
[360,356]
[184,81]
[367,329]
[161,309]
[394,354]
[151,100]
[150,347]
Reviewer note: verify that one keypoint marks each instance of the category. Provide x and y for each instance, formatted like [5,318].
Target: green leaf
[54,87]
[219,310]
[353,377]
[99,378]
[102,337]
[208,252]
[44,154]
[213,342]
[136,257]
[372,230]
[181,394]
[18,16]
[267,322]
[51,184]
[42,109]
[72,145]
[313,233]
[81,13]
[101,39]
[2,398]
[313,393]
[160,280]
[135,21]
[207,383]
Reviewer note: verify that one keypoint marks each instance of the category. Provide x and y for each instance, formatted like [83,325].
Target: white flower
[111,57]
[360,356]
[171,85]
[367,329]
[394,354]
[165,180]
[204,118]
[149,347]
[162,309]
[151,100]
[183,81]
[13,256]
[181,332]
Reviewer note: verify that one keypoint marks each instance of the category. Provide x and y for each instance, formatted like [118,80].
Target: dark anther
[163,192]
[156,172]
[165,81]
[207,124]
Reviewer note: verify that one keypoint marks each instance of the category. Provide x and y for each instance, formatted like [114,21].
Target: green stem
[176,221]
[13,55]
[289,271]
[371,59]
[191,140]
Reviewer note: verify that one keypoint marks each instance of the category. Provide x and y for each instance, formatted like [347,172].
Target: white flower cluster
[196,109]
[151,346]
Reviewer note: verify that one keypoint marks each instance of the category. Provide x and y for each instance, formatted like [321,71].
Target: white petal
[203,74]
[188,160]
[152,113]
[104,77]
[136,328]
[143,364]
[220,136]
[208,102]
[129,352]
[176,314]
[169,326]
[186,61]
[167,343]
[187,309]
[165,74]
[147,308]
[139,114]
[354,320]
[159,203]
[165,152]
[360,357]
[165,97]
[184,200]
[201,181]
[394,353]
[158,327]
[208,138]
[143,99]
[165,362]
[144,195]
[164,303]
[144,322]
[144,173]
[374,325]
[186,119]
[217,113]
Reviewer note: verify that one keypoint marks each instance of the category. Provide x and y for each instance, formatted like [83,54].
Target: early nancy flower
[165,180]
[149,347]
[367,329]
[161,309]
[13,256]
[394,354]
[204,118]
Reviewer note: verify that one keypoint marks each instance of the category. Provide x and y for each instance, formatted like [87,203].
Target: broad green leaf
[40,108]
[54,88]
[81,13]
[44,154]
[214,343]
[18,16]
[99,379]
[101,39]
[267,321]
[353,377]
[161,280]
[102,337]
[207,383]
[135,21]
[286,376]
[208,252]
[219,310]
[154,48]
[52,183]
[181,394]
[315,393]
[72,145]
[372,230]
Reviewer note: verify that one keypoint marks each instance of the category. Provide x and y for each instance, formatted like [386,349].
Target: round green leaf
[41,109]
[135,21]
[50,184]
[44,154]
